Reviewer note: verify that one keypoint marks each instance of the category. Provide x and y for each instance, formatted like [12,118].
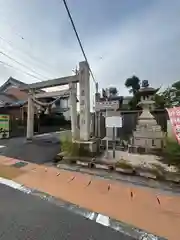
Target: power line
[17,69]
[13,28]
[11,58]
[24,52]
[78,38]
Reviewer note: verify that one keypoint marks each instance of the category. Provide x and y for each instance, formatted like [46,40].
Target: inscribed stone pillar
[73,109]
[30,118]
[96,124]
[84,101]
[92,125]
[99,125]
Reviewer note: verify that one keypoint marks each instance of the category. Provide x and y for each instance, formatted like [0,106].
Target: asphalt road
[27,217]
[41,150]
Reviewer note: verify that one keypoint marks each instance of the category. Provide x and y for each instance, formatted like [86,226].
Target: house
[13,101]
[12,87]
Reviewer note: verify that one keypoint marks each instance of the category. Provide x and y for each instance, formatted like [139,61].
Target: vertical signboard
[4,126]
[174,116]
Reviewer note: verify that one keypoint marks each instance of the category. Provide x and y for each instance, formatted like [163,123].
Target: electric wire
[34,58]
[17,69]
[23,65]
[78,38]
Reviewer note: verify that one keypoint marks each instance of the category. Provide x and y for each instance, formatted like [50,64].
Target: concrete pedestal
[93,146]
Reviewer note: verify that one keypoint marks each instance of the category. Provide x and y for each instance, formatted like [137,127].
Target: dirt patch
[9,172]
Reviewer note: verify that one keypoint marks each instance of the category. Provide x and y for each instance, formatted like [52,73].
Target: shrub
[124,164]
[171,152]
[172,147]
[73,148]
[70,148]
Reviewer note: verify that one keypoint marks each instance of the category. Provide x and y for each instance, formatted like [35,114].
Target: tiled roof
[11,81]
[7,98]
[17,93]
[18,103]
[14,82]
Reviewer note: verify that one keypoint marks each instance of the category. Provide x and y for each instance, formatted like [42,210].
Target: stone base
[29,139]
[92,146]
[143,150]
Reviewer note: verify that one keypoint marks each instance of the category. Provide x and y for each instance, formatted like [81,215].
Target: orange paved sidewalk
[133,205]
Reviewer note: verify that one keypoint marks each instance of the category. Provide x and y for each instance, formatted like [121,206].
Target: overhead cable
[43,63]
[17,69]
[23,65]
[78,38]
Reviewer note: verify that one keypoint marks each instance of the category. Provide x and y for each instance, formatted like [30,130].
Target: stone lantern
[148,134]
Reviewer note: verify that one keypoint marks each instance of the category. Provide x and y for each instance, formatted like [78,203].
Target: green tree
[159,101]
[133,83]
[171,95]
[113,91]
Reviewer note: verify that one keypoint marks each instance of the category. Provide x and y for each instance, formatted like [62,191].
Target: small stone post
[30,119]
[73,109]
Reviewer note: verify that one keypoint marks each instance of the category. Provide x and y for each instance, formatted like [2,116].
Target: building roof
[7,98]
[17,93]
[12,81]
[19,103]
[126,100]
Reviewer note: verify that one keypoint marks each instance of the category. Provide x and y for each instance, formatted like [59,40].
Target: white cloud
[146,43]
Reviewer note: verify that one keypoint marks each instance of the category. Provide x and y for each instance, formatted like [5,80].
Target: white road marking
[2,146]
[14,185]
[101,219]
[91,216]
[104,220]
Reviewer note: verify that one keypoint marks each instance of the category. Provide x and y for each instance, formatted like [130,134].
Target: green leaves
[172,95]
[133,83]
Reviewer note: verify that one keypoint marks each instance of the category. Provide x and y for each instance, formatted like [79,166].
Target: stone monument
[148,134]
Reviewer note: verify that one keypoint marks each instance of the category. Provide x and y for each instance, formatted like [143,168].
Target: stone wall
[129,119]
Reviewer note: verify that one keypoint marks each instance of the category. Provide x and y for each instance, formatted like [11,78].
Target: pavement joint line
[71,179]
[158,200]
[132,195]
[89,183]
[106,221]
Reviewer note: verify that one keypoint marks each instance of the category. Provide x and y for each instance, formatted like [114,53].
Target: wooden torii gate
[82,76]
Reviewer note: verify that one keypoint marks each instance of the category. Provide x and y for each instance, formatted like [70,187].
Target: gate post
[84,101]
[30,118]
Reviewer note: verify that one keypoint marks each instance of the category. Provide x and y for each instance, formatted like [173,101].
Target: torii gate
[83,78]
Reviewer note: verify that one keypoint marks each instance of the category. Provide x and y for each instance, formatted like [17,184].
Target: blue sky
[120,37]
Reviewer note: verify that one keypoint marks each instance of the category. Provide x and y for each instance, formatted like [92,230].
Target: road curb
[106,221]
[130,172]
